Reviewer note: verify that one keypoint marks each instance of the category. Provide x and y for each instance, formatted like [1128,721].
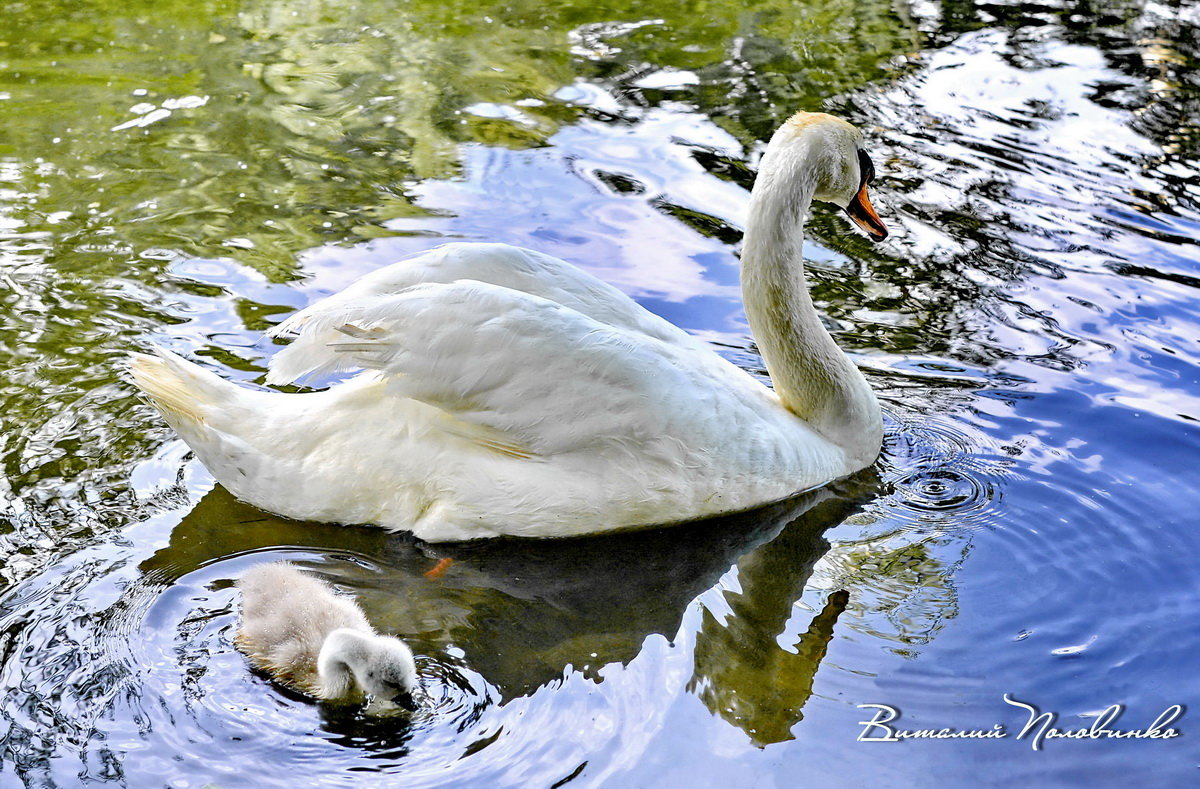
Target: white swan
[297,630]
[507,392]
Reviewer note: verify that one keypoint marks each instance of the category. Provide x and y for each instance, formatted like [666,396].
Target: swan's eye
[867,169]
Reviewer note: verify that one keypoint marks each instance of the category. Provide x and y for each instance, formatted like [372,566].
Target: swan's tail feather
[218,420]
[177,387]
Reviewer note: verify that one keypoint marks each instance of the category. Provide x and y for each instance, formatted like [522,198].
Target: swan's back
[504,392]
[286,615]
[519,270]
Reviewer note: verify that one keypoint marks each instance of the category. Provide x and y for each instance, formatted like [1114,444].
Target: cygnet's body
[306,637]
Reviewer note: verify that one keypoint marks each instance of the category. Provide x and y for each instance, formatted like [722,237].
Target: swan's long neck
[812,376]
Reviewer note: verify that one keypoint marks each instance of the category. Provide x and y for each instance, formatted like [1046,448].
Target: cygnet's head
[828,152]
[381,666]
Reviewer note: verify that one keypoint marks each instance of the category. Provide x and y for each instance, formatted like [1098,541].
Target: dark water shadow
[523,611]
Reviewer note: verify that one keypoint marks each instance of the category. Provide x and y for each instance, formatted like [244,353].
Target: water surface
[188,174]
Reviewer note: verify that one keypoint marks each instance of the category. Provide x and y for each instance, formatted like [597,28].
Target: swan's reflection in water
[741,671]
[520,613]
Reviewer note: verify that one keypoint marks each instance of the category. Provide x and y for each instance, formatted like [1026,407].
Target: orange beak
[862,213]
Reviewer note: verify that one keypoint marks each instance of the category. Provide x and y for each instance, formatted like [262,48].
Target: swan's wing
[517,269]
[517,373]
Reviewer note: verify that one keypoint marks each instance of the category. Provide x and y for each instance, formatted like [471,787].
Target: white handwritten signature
[1040,727]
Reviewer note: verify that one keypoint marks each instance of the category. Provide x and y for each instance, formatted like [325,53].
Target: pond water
[188,174]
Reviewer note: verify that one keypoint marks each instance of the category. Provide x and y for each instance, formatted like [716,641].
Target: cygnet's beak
[862,213]
[406,701]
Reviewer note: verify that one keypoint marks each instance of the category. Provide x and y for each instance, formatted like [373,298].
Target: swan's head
[826,153]
[382,666]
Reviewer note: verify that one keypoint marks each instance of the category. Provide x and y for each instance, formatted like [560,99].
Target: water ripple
[942,476]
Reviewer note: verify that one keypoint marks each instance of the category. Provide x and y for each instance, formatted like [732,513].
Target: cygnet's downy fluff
[295,628]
